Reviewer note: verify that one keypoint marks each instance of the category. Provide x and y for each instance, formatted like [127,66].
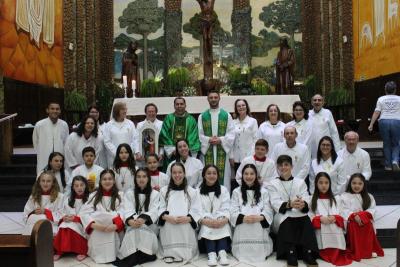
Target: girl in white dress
[140,211]
[325,215]
[56,165]
[71,236]
[101,218]
[158,179]
[251,215]
[44,203]
[215,229]
[180,211]
[124,168]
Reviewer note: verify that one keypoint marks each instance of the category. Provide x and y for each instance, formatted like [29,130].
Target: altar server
[295,234]
[102,220]
[124,168]
[251,215]
[180,210]
[158,179]
[56,165]
[140,212]
[301,123]
[214,229]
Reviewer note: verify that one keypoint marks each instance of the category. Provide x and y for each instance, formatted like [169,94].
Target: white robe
[357,162]
[85,172]
[301,158]
[74,146]
[304,131]
[161,180]
[179,240]
[220,208]
[145,237]
[124,179]
[67,210]
[245,138]
[226,141]
[283,191]
[352,203]
[323,124]
[48,137]
[116,133]
[335,171]
[330,235]
[251,242]
[54,207]
[193,169]
[266,170]
[102,247]
[158,125]
[273,134]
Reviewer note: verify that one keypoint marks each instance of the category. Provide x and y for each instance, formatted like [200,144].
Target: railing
[6,137]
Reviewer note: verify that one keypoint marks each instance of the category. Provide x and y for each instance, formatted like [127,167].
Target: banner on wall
[376,31]
[31,41]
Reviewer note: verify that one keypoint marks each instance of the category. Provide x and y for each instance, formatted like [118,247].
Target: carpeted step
[24,159]
[17,179]
[24,168]
[387,237]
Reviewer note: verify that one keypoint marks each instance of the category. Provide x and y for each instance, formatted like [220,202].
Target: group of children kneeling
[175,221]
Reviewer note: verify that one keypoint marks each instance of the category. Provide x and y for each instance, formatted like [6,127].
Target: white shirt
[304,131]
[193,169]
[335,171]
[357,162]
[245,138]
[323,124]
[301,158]
[266,170]
[87,173]
[389,106]
[273,134]
[48,137]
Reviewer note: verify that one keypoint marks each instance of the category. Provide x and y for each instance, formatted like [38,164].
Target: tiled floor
[387,217]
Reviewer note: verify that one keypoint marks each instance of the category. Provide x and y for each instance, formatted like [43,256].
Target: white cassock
[214,208]
[301,158]
[304,131]
[116,133]
[330,235]
[245,138]
[335,171]
[157,125]
[67,210]
[102,246]
[57,174]
[193,169]
[74,146]
[266,170]
[160,180]
[352,203]
[281,191]
[86,172]
[145,237]
[226,141]
[273,134]
[357,162]
[124,179]
[251,242]
[179,240]
[48,137]
[52,212]
[323,124]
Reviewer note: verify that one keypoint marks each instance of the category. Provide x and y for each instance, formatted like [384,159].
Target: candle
[125,81]
[133,84]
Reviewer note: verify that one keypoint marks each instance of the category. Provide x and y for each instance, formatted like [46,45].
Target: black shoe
[309,259]
[292,259]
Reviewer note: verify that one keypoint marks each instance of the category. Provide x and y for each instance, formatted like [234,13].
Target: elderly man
[299,153]
[355,159]
[322,123]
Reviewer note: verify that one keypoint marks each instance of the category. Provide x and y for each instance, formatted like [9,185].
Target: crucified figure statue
[207,10]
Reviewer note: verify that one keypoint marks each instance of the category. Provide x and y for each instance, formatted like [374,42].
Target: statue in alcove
[285,64]
[130,68]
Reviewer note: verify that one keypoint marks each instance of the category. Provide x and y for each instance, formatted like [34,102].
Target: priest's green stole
[221,155]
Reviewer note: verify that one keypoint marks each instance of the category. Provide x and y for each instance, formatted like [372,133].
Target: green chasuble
[207,128]
[175,128]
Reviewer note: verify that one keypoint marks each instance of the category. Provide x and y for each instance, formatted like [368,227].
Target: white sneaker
[395,167]
[223,259]
[212,259]
[374,255]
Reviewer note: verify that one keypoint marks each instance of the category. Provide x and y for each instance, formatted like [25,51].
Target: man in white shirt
[323,124]
[49,135]
[355,159]
[216,133]
[299,153]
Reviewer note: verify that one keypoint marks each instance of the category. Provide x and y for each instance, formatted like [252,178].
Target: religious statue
[285,65]
[207,21]
[130,68]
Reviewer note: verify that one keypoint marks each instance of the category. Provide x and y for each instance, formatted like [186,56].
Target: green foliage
[150,88]
[265,73]
[310,88]
[177,79]
[339,97]
[193,27]
[238,81]
[260,86]
[105,94]
[260,45]
[75,101]
[189,91]
[122,41]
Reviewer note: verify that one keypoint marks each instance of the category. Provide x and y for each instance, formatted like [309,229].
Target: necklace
[284,188]
[211,202]
[123,177]
[106,207]
[141,204]
[250,199]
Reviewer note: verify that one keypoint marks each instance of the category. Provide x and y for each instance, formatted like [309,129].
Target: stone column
[173,33]
[241,32]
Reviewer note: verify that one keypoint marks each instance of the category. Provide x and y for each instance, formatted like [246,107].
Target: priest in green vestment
[216,132]
[178,125]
